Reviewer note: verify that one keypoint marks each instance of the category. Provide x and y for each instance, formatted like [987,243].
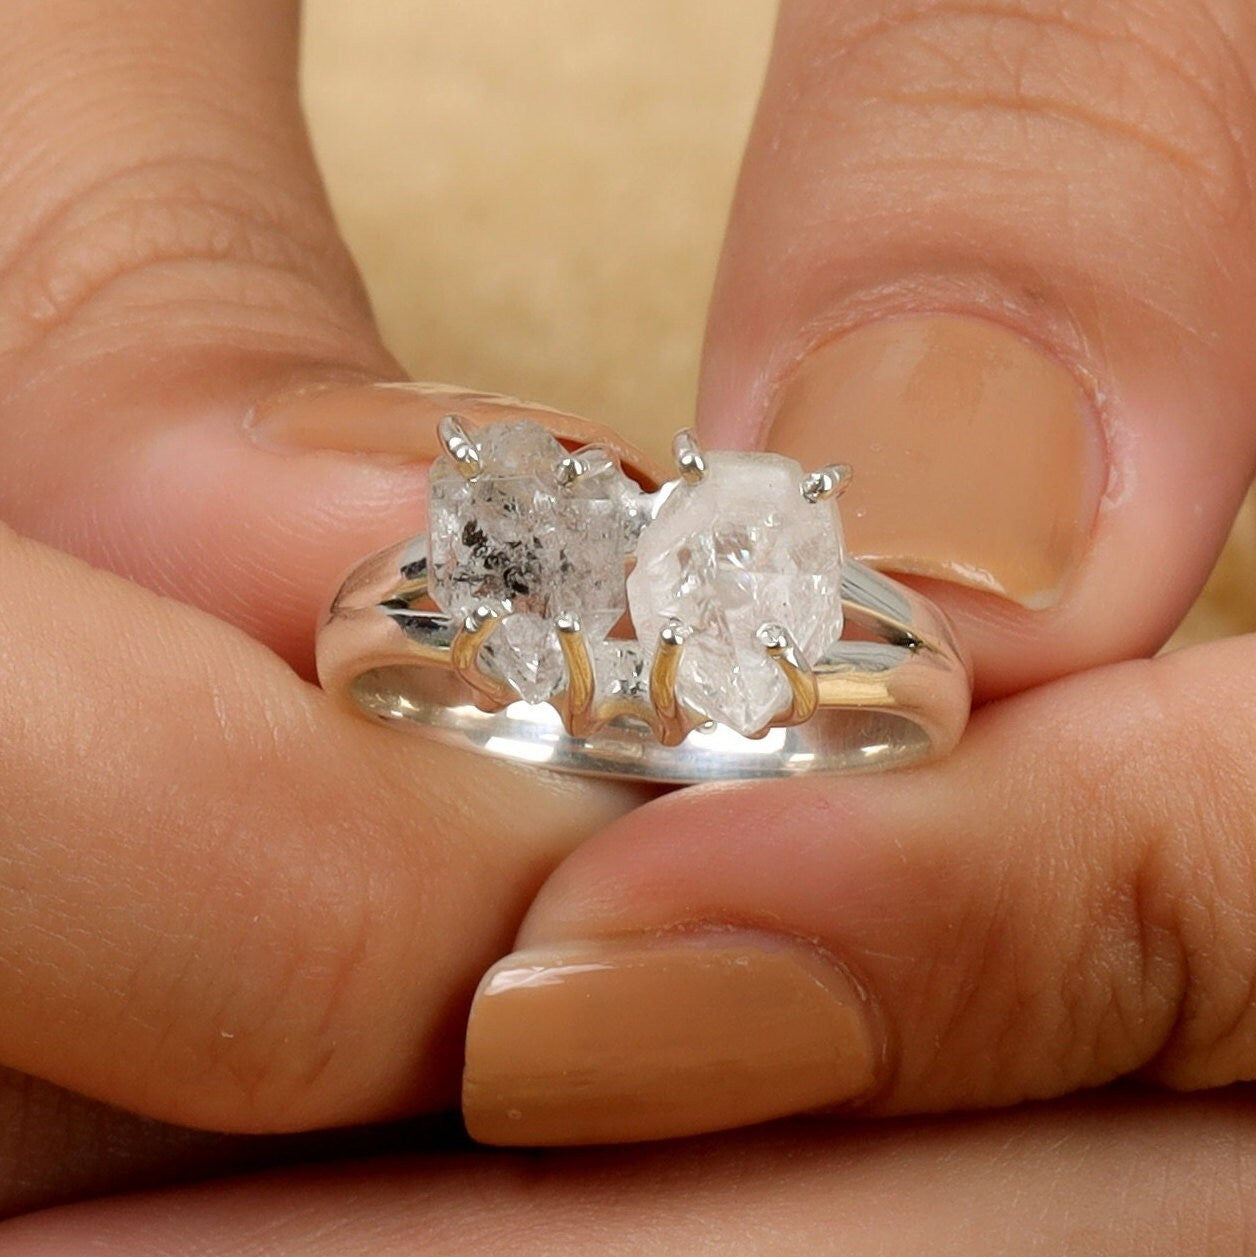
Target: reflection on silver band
[894,690]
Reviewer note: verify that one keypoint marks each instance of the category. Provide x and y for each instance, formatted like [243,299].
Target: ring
[559,613]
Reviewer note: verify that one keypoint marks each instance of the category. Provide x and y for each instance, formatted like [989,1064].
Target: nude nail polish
[624,1040]
[978,456]
[397,422]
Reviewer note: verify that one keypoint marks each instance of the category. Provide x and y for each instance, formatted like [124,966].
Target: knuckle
[175,244]
[1072,114]
[1193,878]
[1131,948]
[284,1041]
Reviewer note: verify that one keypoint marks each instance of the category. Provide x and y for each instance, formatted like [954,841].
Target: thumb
[1066,900]
[1001,262]
[189,370]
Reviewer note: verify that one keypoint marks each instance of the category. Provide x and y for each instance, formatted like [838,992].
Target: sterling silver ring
[558,613]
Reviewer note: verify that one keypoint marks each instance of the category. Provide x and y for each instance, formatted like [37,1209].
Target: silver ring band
[894,692]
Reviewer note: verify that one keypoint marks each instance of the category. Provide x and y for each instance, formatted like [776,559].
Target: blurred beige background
[536,191]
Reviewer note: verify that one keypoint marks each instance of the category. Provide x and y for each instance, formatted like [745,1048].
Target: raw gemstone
[605,480]
[515,536]
[740,549]
[620,671]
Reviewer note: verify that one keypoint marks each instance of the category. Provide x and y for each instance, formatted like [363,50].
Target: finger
[223,902]
[1068,899]
[1003,263]
[57,1147]
[187,357]
[1118,1178]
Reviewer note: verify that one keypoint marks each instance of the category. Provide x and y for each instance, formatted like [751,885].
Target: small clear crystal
[621,670]
[740,548]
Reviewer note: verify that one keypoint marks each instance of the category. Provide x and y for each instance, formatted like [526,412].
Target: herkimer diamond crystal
[516,537]
[740,549]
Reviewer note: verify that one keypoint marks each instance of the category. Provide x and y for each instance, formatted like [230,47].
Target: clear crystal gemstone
[725,556]
[604,479]
[514,535]
[620,670]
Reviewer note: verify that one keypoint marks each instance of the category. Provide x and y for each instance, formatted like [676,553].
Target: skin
[230,888]
[1105,1177]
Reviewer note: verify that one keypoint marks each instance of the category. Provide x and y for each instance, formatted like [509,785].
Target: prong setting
[522,528]
[826,482]
[690,462]
[472,635]
[672,722]
[575,703]
[803,696]
[460,446]
[584,462]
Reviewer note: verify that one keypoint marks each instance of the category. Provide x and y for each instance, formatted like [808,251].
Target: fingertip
[1012,325]
[669,1033]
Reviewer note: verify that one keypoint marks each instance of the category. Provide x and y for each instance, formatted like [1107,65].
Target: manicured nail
[397,422]
[978,456]
[625,1040]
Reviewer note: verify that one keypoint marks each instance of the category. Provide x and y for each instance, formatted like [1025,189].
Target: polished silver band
[894,690]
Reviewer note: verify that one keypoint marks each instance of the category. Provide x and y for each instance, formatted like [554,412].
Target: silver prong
[575,704]
[827,482]
[584,462]
[673,723]
[673,635]
[459,446]
[481,623]
[773,638]
[688,455]
[803,697]
[464,654]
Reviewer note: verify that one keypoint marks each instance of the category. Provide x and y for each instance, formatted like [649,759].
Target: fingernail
[978,456]
[396,422]
[625,1040]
